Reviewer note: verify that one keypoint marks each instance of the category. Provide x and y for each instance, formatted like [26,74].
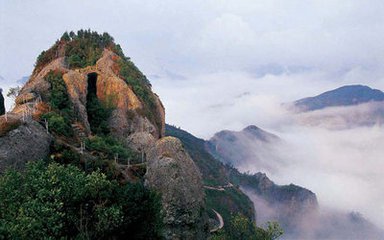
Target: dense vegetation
[229,202]
[108,147]
[98,114]
[244,229]
[60,202]
[233,205]
[85,47]
[60,117]
[80,50]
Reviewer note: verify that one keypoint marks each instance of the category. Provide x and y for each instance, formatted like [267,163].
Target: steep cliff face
[135,110]
[88,104]
[22,143]
[172,172]
[127,115]
[2,107]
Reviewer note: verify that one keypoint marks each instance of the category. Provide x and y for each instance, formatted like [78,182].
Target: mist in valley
[340,160]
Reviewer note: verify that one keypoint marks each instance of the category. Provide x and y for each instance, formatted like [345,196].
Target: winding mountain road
[221,222]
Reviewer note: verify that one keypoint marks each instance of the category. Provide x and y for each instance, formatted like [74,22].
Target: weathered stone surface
[28,142]
[37,83]
[173,173]
[127,117]
[24,98]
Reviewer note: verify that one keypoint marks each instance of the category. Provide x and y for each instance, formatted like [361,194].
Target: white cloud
[275,51]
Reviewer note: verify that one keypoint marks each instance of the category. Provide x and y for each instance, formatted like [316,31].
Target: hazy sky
[226,64]
[215,64]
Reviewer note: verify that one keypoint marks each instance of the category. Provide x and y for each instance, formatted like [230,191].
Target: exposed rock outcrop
[173,173]
[137,120]
[127,117]
[2,107]
[27,142]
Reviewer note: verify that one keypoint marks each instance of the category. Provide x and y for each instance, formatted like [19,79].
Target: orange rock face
[128,115]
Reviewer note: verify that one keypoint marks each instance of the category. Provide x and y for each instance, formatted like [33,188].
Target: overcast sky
[212,58]
[220,64]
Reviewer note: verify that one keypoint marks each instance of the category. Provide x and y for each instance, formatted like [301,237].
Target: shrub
[7,126]
[59,99]
[58,124]
[98,115]
[109,146]
[80,50]
[242,228]
[62,202]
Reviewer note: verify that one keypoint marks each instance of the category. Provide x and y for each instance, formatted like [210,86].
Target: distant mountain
[294,207]
[225,185]
[252,145]
[343,96]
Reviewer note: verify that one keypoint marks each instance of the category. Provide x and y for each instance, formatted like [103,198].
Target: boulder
[172,172]
[27,142]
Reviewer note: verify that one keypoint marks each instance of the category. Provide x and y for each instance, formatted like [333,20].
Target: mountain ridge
[343,96]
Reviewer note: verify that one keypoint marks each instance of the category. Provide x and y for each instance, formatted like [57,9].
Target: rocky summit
[87,104]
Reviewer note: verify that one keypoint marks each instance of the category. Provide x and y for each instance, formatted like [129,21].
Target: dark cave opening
[97,113]
[92,80]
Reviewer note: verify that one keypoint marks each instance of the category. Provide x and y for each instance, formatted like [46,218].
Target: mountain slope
[252,145]
[343,96]
[287,202]
[342,108]
[88,105]
[215,175]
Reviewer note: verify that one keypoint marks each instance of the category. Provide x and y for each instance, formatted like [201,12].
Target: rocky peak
[118,84]
[86,99]
[81,93]
[259,134]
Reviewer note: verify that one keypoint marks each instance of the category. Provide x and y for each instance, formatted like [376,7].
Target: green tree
[65,37]
[271,232]
[13,92]
[98,115]
[243,228]
[59,98]
[62,202]
[58,124]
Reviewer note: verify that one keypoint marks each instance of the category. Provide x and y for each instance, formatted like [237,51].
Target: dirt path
[221,222]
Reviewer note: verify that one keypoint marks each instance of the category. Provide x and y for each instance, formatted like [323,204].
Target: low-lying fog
[343,166]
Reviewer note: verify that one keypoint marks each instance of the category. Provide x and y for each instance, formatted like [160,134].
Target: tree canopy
[53,201]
